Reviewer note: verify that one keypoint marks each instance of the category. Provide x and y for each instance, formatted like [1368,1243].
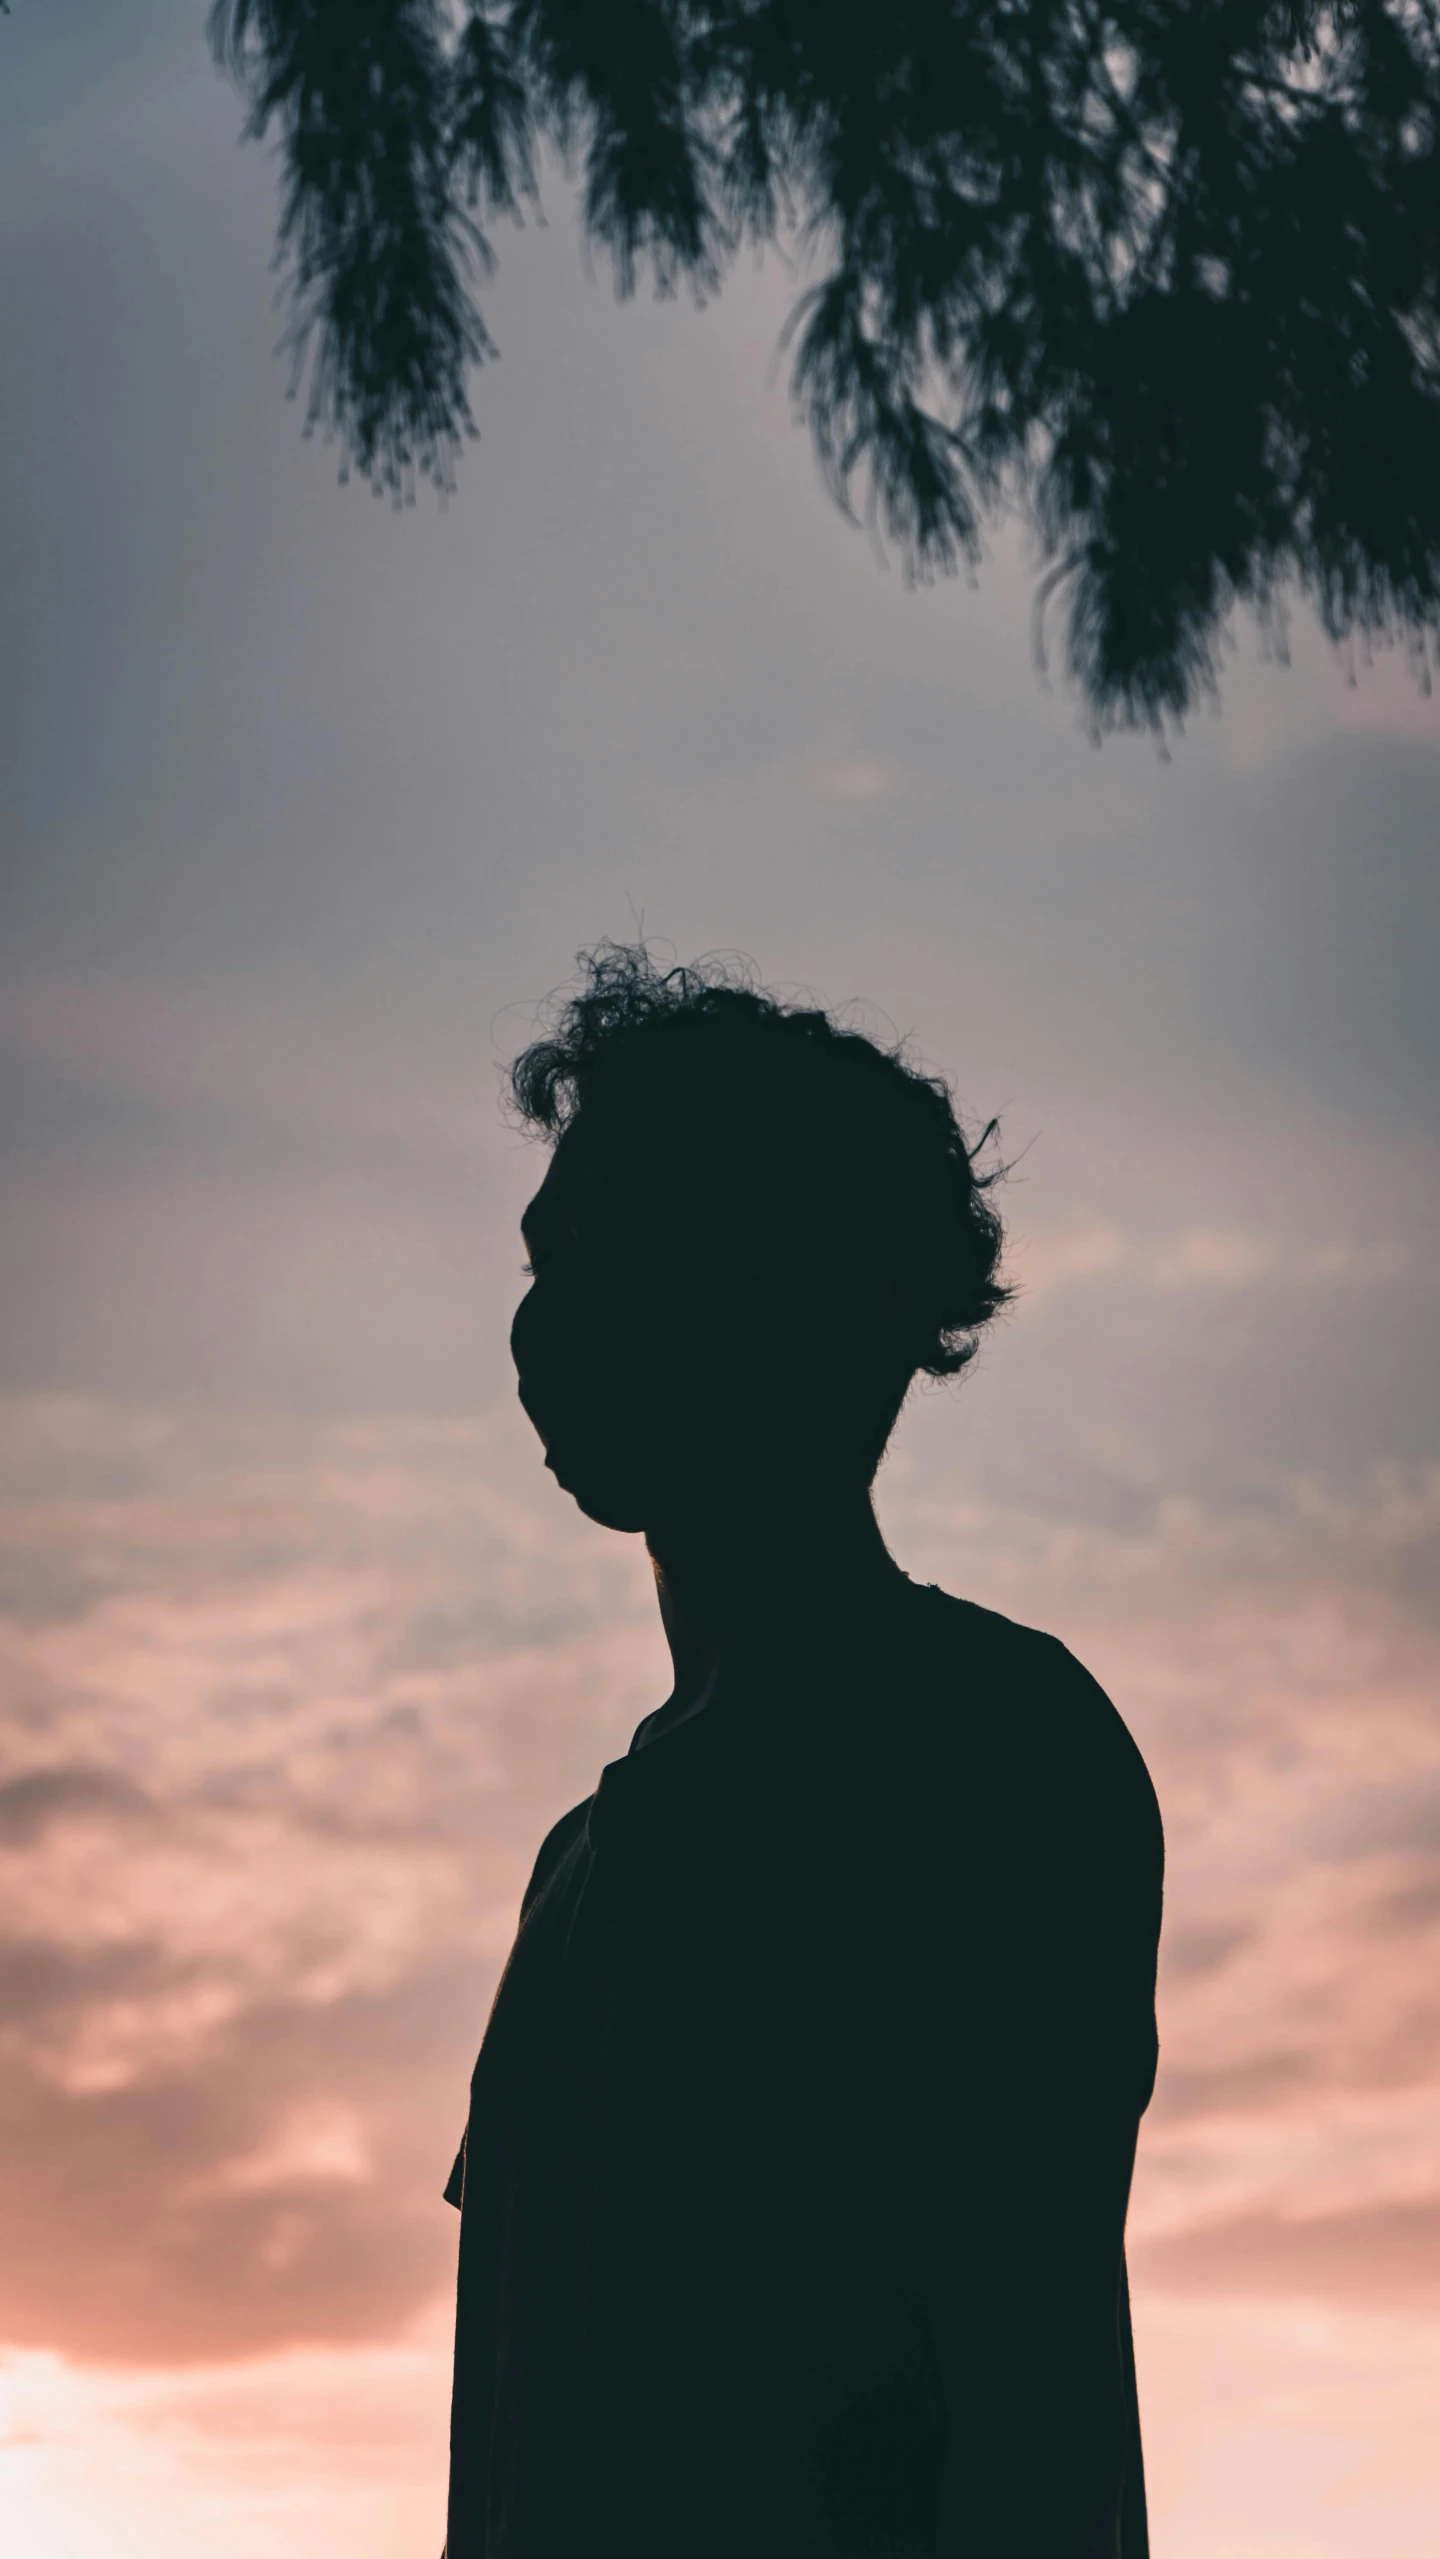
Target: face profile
[753,1230]
[653,1365]
[588,1338]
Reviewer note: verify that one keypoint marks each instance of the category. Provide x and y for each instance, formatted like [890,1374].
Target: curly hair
[849,1154]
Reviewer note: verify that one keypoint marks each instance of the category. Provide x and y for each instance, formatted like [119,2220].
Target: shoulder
[554,1849]
[984,1666]
[995,1709]
[1033,1813]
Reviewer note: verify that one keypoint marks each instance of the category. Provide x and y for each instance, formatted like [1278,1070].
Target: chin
[610,1502]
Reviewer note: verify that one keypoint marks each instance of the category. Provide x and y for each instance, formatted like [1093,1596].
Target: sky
[308,807]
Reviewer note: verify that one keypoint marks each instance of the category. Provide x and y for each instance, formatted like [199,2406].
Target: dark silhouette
[1165,273]
[794,2186]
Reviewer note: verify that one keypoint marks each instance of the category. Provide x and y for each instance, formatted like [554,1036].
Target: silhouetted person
[794,2187]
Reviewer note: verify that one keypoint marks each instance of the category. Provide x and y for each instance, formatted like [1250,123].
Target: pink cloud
[291,1705]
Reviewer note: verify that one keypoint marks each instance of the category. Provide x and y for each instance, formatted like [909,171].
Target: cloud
[1233,2088]
[1196,1258]
[231,2202]
[1381,2255]
[1187,1952]
[294,1701]
[238,1075]
[291,1708]
[313,2447]
[33,1805]
[1403,1816]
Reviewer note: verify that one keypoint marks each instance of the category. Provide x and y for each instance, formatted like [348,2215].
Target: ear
[849,1330]
[817,1395]
[821,1386]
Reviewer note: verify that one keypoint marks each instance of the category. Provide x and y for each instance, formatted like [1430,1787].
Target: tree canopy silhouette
[1162,274]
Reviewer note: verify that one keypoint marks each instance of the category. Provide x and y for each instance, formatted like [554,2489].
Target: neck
[738,1581]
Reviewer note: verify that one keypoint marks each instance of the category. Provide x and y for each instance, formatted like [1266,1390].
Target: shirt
[794,2183]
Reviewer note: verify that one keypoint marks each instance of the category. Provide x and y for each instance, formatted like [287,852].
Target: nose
[522,1329]
[538,1347]
[525,1370]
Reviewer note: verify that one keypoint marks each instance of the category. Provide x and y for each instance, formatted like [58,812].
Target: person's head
[756,1225]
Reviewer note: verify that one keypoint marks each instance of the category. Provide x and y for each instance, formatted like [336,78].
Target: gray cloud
[31,1804]
[44,1982]
[1199,1950]
[1382,2256]
[1396,1817]
[311,804]
[1237,2088]
[1407,1907]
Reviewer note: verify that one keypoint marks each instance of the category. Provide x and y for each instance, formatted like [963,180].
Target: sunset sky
[307,806]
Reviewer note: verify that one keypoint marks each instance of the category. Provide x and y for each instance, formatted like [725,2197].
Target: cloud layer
[292,1705]
[288,1717]
[306,805]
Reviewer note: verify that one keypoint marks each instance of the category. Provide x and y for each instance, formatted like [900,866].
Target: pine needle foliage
[1161,275]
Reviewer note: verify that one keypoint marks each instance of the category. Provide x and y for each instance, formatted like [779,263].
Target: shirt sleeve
[1022,2048]
[552,1848]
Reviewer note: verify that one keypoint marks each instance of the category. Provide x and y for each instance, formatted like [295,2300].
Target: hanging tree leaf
[1163,273]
